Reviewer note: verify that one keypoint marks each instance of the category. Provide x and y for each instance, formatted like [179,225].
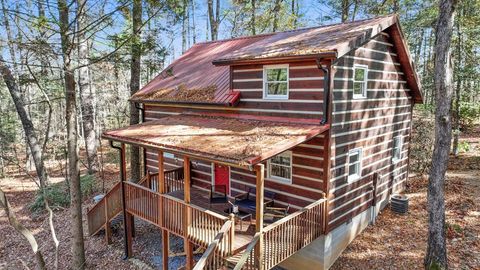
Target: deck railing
[292,233]
[105,210]
[219,249]
[199,225]
[173,180]
[286,236]
[142,202]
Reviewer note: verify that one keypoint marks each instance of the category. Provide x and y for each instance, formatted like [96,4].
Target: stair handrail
[103,202]
[248,251]
[209,253]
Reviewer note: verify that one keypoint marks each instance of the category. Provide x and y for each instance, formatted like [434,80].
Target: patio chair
[218,194]
[273,214]
[247,203]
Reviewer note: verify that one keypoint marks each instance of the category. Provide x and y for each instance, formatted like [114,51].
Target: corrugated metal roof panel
[194,71]
[233,140]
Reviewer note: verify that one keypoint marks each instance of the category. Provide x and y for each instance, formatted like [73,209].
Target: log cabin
[269,150]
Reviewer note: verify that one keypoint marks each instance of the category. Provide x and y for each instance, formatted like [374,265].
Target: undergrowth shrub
[469,114]
[422,141]
[58,194]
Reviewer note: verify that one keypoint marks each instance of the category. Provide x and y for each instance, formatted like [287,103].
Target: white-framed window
[168,155]
[397,149]
[280,167]
[360,74]
[354,164]
[275,82]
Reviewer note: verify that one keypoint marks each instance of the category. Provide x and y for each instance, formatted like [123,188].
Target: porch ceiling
[234,141]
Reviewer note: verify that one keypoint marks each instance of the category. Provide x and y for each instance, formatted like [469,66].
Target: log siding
[370,123]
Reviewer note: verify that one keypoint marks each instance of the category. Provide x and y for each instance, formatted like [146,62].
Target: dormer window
[275,82]
[360,73]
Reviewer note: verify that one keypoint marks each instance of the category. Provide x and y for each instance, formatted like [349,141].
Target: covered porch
[176,207]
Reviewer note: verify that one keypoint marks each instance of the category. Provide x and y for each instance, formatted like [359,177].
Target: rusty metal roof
[230,140]
[202,74]
[336,38]
[193,78]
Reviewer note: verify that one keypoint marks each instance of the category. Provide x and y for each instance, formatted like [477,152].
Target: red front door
[222,176]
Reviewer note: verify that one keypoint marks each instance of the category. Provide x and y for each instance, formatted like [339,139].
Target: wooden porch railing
[174,180]
[199,225]
[292,233]
[286,236]
[219,249]
[142,202]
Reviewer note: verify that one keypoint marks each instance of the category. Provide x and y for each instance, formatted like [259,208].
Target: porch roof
[234,141]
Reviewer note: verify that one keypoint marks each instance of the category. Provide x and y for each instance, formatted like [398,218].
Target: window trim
[278,178]
[365,81]
[264,81]
[394,158]
[358,175]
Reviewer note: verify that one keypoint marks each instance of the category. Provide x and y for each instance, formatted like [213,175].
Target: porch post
[161,190]
[126,216]
[260,183]
[188,215]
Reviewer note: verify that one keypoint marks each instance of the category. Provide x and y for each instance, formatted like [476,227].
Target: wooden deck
[243,232]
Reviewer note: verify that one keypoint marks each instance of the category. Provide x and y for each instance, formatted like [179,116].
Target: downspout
[122,178]
[326,91]
[142,109]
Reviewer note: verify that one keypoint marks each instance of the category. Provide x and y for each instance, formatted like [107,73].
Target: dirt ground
[394,242]
[399,242]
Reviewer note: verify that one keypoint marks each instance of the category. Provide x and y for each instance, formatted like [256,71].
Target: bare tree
[345,10]
[135,83]
[87,95]
[276,11]
[78,250]
[22,230]
[214,18]
[436,256]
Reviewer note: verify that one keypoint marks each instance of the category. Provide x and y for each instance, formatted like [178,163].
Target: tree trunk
[294,14]
[28,128]
[5,205]
[184,25]
[194,27]
[135,84]
[213,18]
[456,124]
[17,97]
[276,11]
[355,10]
[436,256]
[345,7]
[87,96]
[252,23]
[78,250]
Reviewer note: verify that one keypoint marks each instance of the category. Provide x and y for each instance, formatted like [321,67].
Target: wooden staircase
[100,216]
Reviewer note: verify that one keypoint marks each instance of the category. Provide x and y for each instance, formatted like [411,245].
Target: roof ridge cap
[292,30]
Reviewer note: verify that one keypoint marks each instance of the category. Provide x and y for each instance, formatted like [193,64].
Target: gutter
[122,178]
[326,91]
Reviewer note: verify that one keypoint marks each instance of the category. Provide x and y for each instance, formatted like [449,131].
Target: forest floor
[394,242]
[399,241]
